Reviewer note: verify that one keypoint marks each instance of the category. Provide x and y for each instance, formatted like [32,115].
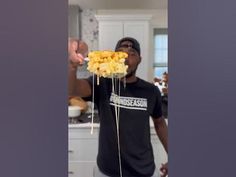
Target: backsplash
[89,28]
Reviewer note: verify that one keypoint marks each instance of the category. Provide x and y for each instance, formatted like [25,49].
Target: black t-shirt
[137,102]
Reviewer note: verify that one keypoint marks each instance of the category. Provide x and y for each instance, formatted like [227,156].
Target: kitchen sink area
[84,118]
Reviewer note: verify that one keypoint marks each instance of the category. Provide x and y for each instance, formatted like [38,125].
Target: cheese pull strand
[117,114]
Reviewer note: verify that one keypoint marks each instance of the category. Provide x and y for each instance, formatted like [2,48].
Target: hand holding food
[76,51]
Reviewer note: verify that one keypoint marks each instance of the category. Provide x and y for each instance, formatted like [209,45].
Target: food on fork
[107,63]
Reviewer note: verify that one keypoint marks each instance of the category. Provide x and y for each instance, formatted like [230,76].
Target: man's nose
[128,49]
[127,61]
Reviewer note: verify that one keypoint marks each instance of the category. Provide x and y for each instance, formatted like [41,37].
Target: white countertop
[96,125]
[84,125]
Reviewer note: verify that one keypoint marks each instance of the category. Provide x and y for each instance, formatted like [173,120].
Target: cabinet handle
[71,151]
[70,172]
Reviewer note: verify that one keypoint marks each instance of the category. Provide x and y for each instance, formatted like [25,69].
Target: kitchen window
[160,52]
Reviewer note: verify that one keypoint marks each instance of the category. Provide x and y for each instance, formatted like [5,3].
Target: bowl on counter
[74,111]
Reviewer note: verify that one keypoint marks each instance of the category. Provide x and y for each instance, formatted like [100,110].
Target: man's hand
[164,170]
[74,57]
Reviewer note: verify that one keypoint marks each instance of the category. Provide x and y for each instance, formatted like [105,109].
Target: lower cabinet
[81,169]
[82,151]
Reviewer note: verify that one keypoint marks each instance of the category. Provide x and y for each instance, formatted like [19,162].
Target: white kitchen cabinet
[81,169]
[114,27]
[74,21]
[109,33]
[83,147]
[82,151]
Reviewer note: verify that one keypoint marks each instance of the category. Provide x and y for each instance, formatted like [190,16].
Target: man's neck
[130,79]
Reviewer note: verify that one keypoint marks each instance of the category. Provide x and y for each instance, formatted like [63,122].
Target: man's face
[133,59]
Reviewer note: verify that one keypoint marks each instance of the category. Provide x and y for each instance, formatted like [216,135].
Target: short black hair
[135,43]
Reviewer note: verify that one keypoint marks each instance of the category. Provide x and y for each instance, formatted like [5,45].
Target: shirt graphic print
[128,102]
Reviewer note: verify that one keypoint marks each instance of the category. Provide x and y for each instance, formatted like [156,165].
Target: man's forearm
[71,80]
[77,87]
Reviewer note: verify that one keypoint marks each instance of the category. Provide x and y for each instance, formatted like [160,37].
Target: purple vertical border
[202,61]
[33,91]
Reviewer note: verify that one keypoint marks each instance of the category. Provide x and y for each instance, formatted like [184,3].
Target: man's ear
[140,59]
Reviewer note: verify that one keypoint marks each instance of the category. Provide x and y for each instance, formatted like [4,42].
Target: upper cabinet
[114,27]
[74,21]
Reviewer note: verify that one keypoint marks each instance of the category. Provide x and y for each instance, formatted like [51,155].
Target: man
[134,131]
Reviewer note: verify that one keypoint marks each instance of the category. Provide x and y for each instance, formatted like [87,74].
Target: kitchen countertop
[96,125]
[84,125]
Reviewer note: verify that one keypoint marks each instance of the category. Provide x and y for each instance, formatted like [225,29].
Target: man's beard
[130,74]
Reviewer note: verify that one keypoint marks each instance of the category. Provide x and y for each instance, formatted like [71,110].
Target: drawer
[81,169]
[83,149]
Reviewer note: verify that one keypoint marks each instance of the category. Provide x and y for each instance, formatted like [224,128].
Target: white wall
[121,4]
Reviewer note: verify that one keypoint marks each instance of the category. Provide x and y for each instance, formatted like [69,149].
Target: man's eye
[132,53]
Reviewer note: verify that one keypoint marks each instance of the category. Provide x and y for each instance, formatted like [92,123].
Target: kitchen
[96,24]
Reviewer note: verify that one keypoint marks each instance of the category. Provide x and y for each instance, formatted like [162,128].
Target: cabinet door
[83,150]
[109,33]
[140,31]
[73,21]
[81,169]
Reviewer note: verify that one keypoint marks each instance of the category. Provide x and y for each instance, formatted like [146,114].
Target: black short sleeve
[157,108]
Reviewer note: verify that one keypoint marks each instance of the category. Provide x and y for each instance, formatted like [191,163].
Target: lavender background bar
[202,60]
[33,94]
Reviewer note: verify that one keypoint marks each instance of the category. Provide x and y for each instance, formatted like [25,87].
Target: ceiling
[120,4]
